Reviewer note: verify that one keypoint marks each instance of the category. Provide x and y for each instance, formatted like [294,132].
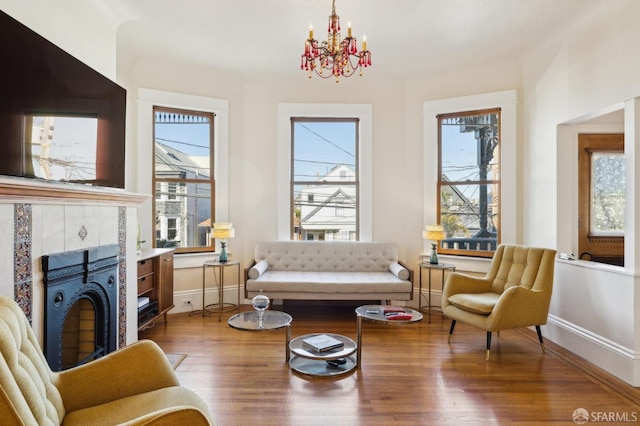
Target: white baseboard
[436,297]
[612,357]
[230,295]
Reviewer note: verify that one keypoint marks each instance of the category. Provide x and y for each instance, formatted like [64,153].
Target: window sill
[193,260]
[593,265]
[463,263]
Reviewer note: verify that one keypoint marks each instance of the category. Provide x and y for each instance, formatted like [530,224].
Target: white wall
[593,69]
[84,29]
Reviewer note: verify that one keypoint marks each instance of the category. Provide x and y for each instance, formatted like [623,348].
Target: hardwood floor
[409,375]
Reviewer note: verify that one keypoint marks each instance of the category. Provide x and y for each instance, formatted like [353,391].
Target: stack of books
[322,343]
[142,302]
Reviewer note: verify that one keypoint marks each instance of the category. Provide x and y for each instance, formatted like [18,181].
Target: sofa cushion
[329,282]
[258,269]
[478,303]
[399,271]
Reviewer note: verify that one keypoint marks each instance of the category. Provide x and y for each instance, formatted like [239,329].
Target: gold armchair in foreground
[134,385]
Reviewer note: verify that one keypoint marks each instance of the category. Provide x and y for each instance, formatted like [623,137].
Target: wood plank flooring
[409,374]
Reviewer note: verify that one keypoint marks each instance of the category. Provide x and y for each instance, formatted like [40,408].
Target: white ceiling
[404,36]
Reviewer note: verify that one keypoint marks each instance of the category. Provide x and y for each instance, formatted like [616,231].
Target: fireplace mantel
[54,217]
[23,190]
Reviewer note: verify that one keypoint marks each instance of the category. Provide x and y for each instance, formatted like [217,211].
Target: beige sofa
[134,385]
[328,270]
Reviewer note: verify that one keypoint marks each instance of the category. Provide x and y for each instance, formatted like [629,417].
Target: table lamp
[223,231]
[434,233]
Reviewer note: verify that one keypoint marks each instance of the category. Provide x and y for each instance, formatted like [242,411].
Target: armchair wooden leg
[488,344]
[540,338]
[453,325]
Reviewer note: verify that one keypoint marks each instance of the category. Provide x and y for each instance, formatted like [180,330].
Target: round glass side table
[220,306]
[332,363]
[378,314]
[271,320]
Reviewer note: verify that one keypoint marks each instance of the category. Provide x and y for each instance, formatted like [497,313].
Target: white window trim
[364,112]
[507,102]
[147,99]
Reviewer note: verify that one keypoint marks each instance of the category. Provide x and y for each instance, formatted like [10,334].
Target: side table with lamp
[221,231]
[435,233]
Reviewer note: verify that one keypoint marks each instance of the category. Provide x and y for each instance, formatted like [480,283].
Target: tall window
[183,179]
[324,179]
[469,181]
[601,197]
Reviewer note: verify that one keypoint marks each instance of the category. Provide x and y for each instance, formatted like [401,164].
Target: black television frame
[38,77]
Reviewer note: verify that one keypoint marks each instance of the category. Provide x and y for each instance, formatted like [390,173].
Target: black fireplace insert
[80,276]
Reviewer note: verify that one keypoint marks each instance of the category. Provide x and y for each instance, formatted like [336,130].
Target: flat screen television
[60,120]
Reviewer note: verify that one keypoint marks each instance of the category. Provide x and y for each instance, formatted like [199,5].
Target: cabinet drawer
[145,283]
[145,267]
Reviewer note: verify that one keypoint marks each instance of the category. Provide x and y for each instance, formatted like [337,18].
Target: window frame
[452,184]
[600,247]
[140,178]
[507,102]
[177,183]
[364,113]
[355,183]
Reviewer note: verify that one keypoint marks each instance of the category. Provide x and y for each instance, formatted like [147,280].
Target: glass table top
[376,313]
[272,320]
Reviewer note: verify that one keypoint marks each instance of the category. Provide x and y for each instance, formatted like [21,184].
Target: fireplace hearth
[80,305]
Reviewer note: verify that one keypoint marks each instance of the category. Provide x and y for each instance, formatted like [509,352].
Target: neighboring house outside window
[183,178]
[324,178]
[469,182]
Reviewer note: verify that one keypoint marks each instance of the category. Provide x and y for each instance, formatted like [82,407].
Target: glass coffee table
[377,314]
[271,320]
[333,363]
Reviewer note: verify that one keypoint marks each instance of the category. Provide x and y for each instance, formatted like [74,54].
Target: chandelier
[338,57]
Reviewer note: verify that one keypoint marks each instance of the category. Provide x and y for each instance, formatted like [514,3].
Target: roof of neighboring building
[170,161]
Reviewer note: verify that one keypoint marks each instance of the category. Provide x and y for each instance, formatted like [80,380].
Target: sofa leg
[488,344]
[453,325]
[540,338]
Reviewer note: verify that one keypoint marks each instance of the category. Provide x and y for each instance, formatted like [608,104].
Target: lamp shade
[434,233]
[223,230]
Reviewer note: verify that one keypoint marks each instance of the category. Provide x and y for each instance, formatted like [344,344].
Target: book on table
[322,343]
[389,309]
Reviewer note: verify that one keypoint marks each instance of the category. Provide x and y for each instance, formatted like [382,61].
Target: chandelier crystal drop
[338,57]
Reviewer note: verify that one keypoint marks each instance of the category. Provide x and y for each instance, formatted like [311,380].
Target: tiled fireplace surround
[41,219]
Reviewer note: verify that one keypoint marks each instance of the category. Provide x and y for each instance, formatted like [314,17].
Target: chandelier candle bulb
[349,29]
[310,32]
[364,42]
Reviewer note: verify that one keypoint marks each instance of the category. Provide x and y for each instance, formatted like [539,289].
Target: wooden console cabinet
[155,281]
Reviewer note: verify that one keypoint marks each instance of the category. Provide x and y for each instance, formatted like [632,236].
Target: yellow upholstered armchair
[516,292]
[134,385]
